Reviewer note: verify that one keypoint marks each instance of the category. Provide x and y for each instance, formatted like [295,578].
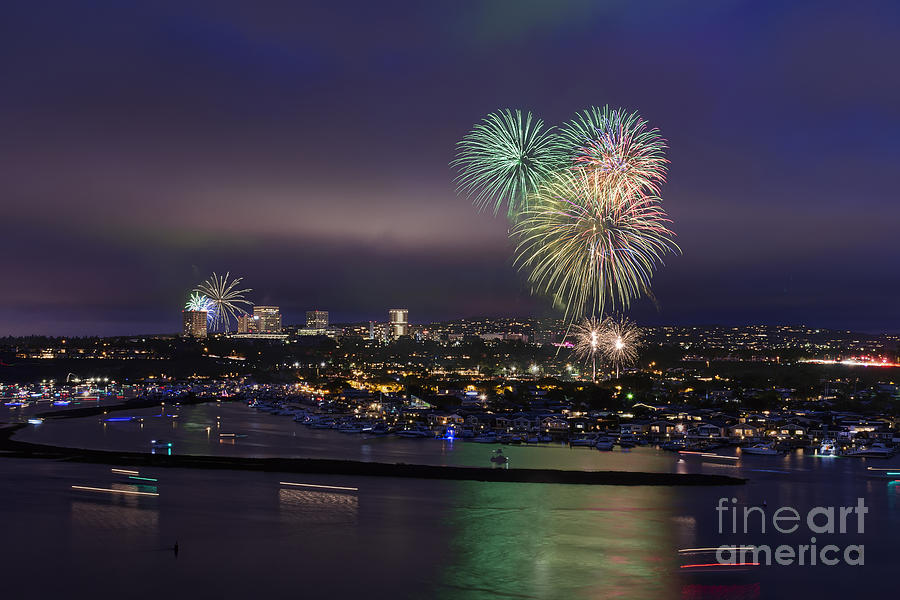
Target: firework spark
[620,340]
[199,302]
[588,336]
[587,245]
[224,299]
[619,145]
[504,159]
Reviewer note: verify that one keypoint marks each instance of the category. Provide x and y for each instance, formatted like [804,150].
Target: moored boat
[498,458]
[761,449]
[876,450]
[828,448]
[350,428]
[586,440]
[604,443]
[414,432]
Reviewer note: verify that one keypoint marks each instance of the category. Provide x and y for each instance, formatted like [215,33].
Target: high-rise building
[193,323]
[245,323]
[399,322]
[317,319]
[266,319]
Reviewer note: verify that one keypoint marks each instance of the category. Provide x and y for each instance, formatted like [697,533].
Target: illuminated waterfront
[410,538]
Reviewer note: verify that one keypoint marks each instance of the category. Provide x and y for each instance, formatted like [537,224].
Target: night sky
[306,148]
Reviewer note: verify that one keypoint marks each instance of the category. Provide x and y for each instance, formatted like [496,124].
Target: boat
[673,445]
[498,458]
[627,441]
[586,440]
[350,428]
[415,432]
[876,450]
[761,449]
[161,446]
[604,443]
[828,448]
[485,438]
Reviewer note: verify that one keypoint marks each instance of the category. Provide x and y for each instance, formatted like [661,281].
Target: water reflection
[536,541]
[445,539]
[713,591]
[123,513]
[317,506]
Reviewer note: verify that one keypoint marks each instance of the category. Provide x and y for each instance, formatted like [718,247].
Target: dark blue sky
[306,148]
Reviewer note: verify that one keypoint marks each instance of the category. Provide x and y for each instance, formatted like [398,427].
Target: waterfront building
[193,323]
[399,322]
[245,323]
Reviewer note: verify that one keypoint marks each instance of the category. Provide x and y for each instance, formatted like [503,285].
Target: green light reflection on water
[559,541]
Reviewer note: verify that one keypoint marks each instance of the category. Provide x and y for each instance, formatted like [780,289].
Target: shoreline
[130,404]
[10,448]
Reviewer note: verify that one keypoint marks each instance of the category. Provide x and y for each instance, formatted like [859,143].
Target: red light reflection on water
[747,591]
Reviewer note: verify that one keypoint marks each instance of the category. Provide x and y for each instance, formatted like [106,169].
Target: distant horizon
[343,322]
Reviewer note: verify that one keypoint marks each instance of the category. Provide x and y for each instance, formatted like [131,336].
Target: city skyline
[124,187]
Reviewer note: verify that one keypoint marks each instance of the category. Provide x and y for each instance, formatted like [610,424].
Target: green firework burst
[504,159]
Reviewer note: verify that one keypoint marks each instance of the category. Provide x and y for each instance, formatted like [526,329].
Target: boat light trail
[728,548]
[743,564]
[109,491]
[327,487]
[125,472]
[709,455]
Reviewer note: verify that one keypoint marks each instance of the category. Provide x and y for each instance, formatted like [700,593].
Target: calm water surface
[245,533]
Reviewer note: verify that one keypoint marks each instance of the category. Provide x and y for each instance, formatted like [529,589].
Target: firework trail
[224,298]
[620,146]
[504,159]
[588,336]
[586,245]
